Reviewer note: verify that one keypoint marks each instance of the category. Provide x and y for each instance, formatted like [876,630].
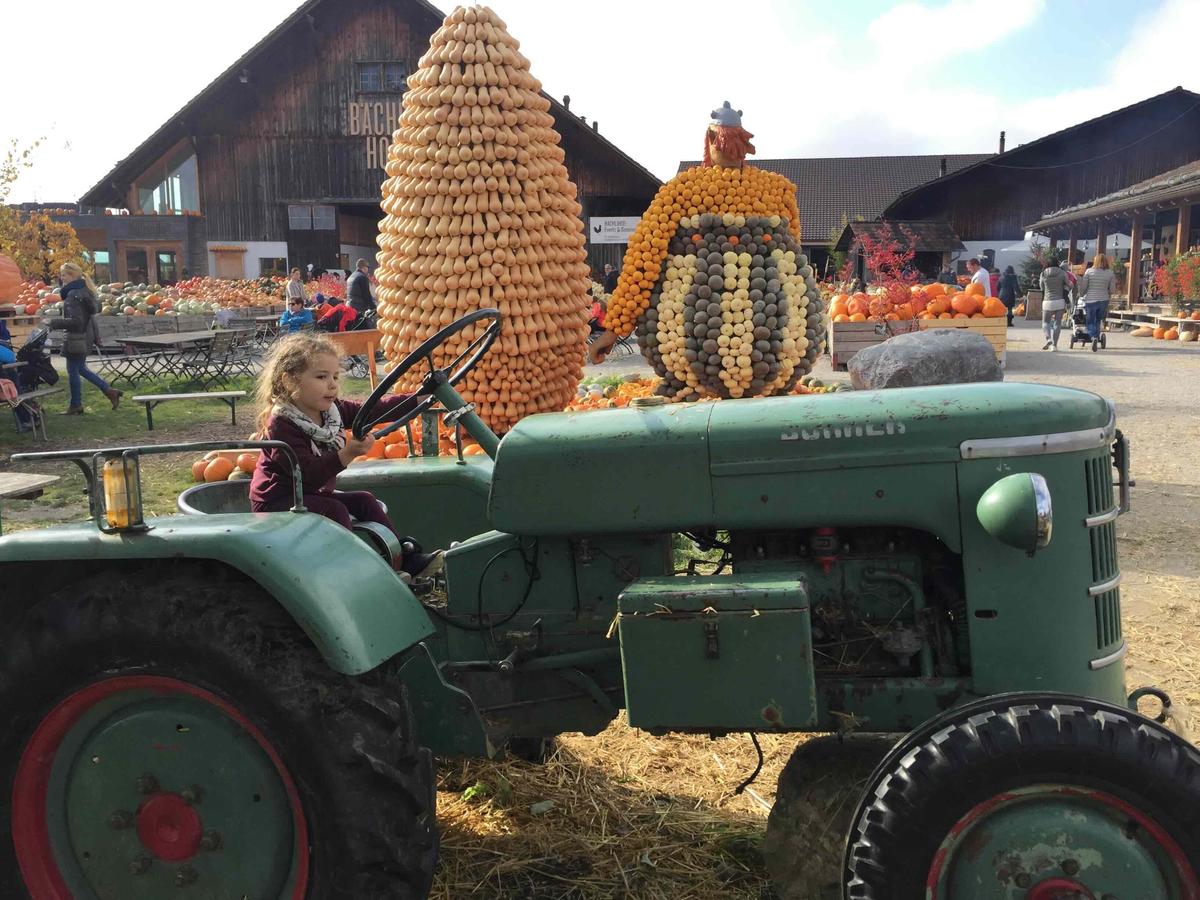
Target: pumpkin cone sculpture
[714,284]
[480,213]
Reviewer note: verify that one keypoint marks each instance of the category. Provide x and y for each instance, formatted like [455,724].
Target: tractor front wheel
[818,791]
[1037,796]
[174,728]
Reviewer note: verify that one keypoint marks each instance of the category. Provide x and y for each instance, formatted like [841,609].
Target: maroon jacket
[271,487]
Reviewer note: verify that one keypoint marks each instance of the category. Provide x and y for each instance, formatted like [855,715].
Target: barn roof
[1177,184]
[928,236]
[1060,150]
[175,127]
[833,190]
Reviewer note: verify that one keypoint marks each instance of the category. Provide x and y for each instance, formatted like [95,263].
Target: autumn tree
[34,241]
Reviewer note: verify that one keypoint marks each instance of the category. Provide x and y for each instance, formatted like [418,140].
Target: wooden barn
[280,159]
[996,201]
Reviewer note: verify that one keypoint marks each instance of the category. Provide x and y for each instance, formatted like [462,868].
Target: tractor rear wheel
[174,728]
[814,803]
[1038,796]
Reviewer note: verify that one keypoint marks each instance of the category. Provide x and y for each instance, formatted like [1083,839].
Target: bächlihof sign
[612,229]
[375,121]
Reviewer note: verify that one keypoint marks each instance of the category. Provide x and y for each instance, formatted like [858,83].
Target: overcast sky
[832,78]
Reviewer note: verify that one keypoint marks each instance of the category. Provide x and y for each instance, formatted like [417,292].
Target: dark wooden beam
[1134,282]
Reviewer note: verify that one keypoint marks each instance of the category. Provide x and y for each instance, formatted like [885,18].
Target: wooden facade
[998,199]
[289,125]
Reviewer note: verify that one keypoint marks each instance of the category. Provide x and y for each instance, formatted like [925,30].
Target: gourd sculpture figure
[723,302]
[480,213]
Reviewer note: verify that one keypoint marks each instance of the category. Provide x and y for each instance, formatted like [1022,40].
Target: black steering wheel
[452,374]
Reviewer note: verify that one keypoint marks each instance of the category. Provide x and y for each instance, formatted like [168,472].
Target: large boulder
[937,356]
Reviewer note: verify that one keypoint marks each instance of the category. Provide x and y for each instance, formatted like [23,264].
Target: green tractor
[225,704]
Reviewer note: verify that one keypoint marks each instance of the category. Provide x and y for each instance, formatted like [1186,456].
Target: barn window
[299,217]
[380,77]
[324,218]
[369,77]
[393,76]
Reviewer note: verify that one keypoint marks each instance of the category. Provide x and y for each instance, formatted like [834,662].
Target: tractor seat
[221,497]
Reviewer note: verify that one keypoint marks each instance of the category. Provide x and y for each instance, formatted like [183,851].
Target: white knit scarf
[329,435]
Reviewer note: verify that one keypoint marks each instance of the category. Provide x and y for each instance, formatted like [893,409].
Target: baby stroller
[356,365]
[38,370]
[1079,332]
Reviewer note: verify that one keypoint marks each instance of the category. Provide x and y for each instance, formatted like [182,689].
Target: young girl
[297,394]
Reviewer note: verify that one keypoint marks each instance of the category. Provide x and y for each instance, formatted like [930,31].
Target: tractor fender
[344,596]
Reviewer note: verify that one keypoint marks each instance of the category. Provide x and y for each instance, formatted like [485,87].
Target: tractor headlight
[1017,511]
[123,493]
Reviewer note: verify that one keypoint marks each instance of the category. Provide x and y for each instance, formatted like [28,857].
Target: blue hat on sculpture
[727,115]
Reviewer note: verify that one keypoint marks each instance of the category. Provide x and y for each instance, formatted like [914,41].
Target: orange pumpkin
[10,280]
[994,308]
[218,469]
[965,303]
[1172,334]
[975,289]
[904,311]
[837,306]
[1196,316]
[938,305]
[198,468]
[841,317]
[878,306]
[858,317]
[937,289]
[858,305]
[1159,333]
[247,461]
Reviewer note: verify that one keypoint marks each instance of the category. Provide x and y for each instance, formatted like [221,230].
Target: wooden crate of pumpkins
[995,330]
[847,338]
[862,320]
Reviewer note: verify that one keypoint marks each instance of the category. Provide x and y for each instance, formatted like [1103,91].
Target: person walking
[1009,288]
[358,288]
[994,281]
[294,290]
[1054,285]
[1096,289]
[79,310]
[979,275]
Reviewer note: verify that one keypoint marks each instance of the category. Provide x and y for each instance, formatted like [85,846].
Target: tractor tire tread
[929,781]
[367,789]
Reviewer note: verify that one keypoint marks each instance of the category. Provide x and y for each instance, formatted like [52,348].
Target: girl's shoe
[423,565]
[72,411]
[114,396]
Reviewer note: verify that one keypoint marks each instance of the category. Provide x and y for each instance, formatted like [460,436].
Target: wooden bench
[28,401]
[22,486]
[229,398]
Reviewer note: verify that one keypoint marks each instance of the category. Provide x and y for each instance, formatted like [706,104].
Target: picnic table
[23,486]
[177,339]
[201,356]
[229,398]
[266,327]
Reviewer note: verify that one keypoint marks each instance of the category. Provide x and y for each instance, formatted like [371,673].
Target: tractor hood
[655,468]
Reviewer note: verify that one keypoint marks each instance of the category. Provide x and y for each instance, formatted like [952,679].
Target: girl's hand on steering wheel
[356,447]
